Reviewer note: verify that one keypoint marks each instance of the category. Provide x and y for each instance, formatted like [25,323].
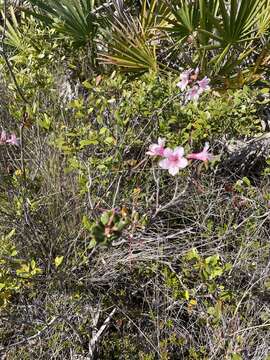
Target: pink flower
[194,93]
[174,160]
[3,137]
[157,149]
[13,140]
[204,155]
[184,80]
[204,84]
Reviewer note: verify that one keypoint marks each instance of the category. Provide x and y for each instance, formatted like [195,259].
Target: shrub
[103,253]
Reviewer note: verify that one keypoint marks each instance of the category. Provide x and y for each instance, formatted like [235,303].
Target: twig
[39,333]
[101,7]
[22,154]
[246,293]
[90,181]
[176,197]
[3,54]
[250,328]
[117,190]
[74,330]
[157,189]
[142,333]
[96,335]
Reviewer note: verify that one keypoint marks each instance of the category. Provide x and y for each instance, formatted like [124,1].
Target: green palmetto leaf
[237,27]
[13,35]
[264,19]
[74,18]
[129,52]
[218,28]
[186,17]
[131,39]
[153,15]
[205,23]
[238,21]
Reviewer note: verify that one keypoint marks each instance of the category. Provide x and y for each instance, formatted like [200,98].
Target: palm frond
[73,18]
[131,39]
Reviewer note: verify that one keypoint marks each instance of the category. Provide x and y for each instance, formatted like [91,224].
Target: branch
[96,336]
[38,334]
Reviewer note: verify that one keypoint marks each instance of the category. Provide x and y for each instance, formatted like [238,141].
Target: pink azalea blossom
[184,80]
[204,155]
[157,149]
[13,140]
[204,84]
[174,160]
[194,93]
[3,137]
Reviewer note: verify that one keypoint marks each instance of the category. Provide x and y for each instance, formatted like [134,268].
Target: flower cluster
[196,87]
[173,159]
[12,140]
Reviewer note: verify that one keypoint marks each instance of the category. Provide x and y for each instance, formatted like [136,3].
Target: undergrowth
[104,254]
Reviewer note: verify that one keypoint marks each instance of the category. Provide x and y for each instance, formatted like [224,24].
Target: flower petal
[173,170]
[161,141]
[182,84]
[13,140]
[179,150]
[152,150]
[164,164]
[182,163]
[168,152]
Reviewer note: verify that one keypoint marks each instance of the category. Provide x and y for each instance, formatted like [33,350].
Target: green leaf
[33,264]
[130,39]
[105,217]
[87,85]
[110,140]
[92,243]
[87,142]
[236,356]
[264,91]
[185,294]
[58,261]
[86,223]
[192,254]
[72,18]
[10,234]
[212,260]
[246,181]
[2,286]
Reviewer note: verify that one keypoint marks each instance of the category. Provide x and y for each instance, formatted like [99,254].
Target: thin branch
[38,334]
[96,335]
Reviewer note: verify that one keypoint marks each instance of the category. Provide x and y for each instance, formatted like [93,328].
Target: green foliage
[13,35]
[200,279]
[75,19]
[97,224]
[58,261]
[15,273]
[108,228]
[131,39]
[219,36]
[31,48]
[223,35]
[186,17]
